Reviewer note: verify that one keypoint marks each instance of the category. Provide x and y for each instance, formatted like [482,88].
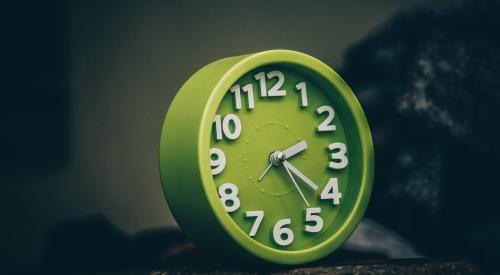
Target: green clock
[267,156]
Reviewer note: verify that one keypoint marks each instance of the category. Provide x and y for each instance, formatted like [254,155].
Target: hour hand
[300,175]
[295,149]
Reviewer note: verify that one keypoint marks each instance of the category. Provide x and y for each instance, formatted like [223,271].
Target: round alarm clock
[267,156]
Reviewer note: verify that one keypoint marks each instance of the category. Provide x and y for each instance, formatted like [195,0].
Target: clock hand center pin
[276,158]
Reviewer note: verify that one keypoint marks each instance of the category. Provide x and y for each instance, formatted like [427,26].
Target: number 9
[219,163]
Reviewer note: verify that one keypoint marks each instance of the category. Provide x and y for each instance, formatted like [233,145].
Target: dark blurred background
[86,84]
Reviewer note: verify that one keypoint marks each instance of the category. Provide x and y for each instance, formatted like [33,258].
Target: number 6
[282,235]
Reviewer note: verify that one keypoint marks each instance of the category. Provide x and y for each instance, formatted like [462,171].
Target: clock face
[285,157]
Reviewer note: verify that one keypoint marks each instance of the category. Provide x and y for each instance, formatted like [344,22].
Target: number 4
[331,191]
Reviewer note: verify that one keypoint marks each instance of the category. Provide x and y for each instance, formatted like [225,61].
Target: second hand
[296,185]
[265,171]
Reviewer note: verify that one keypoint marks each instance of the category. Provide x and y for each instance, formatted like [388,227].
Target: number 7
[259,215]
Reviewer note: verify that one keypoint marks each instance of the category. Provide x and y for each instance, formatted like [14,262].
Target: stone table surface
[421,266]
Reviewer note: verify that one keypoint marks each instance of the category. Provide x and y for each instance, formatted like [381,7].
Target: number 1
[301,87]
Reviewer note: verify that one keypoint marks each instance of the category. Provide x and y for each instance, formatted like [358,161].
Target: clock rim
[286,57]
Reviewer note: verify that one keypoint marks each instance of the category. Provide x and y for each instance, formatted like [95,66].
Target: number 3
[339,156]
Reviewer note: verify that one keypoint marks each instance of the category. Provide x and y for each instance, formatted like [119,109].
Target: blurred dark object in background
[93,243]
[430,86]
[34,89]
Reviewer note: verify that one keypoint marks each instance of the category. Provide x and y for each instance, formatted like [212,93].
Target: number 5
[312,215]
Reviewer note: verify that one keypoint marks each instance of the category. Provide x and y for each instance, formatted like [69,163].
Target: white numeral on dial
[282,235]
[236,90]
[276,89]
[248,89]
[325,125]
[339,158]
[331,191]
[222,126]
[228,193]
[258,215]
[219,162]
[261,77]
[301,87]
[312,215]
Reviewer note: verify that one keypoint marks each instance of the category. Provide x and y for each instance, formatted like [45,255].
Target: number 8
[231,196]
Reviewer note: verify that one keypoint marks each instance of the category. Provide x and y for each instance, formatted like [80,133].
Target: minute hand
[300,175]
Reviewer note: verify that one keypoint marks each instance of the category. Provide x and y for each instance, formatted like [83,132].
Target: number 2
[325,125]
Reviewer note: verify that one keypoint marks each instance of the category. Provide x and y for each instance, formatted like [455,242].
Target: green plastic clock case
[185,166]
